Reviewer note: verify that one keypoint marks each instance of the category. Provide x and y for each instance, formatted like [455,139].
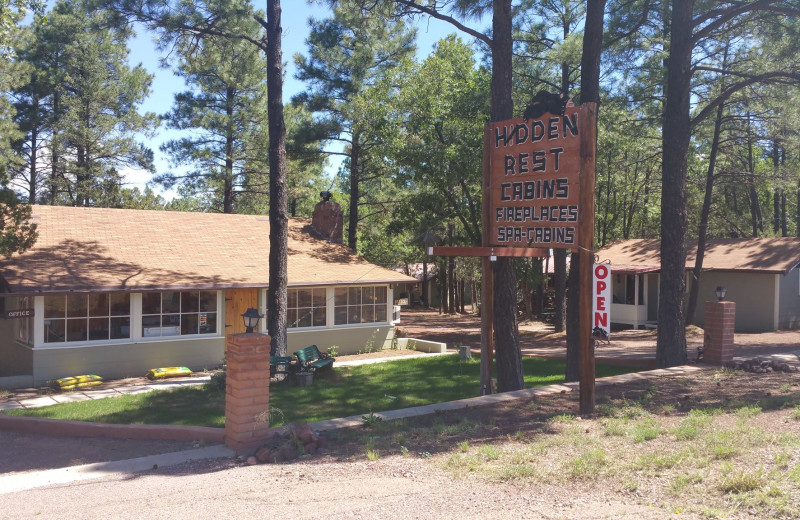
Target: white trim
[136,316]
[38,321]
[262,309]
[124,341]
[390,305]
[330,315]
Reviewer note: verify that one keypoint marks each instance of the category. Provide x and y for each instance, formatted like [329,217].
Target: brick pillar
[247,391]
[719,324]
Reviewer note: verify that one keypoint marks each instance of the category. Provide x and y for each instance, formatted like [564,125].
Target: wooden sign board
[533,181]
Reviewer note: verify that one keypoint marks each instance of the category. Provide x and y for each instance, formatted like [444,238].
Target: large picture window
[87,317]
[179,313]
[359,305]
[305,308]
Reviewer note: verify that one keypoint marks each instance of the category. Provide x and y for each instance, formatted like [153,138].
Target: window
[359,305]
[179,313]
[305,308]
[25,325]
[87,317]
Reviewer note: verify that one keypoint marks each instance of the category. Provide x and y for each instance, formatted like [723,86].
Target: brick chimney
[328,219]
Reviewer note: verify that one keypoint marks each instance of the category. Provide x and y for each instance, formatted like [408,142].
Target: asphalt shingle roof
[763,255]
[96,249]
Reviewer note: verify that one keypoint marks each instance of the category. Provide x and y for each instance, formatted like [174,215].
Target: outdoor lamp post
[721,291]
[251,317]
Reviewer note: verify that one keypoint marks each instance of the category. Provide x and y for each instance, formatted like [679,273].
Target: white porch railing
[635,315]
[395,314]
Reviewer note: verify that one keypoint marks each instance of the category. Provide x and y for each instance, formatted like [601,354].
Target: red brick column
[247,392]
[719,324]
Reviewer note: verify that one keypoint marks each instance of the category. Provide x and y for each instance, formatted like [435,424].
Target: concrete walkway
[97,393]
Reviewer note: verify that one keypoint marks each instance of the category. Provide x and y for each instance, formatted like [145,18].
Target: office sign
[18,314]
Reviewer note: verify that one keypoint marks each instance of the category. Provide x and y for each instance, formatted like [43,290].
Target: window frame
[41,324]
[135,326]
[330,307]
[180,336]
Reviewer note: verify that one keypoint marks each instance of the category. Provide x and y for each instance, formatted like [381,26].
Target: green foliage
[226,111]
[347,54]
[78,108]
[17,232]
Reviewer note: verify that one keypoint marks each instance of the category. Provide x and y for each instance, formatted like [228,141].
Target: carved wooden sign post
[538,193]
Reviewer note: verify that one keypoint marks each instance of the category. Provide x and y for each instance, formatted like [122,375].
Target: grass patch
[587,465]
[742,481]
[342,392]
[693,425]
[190,406]
[645,429]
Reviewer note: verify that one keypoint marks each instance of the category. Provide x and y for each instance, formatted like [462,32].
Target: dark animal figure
[545,102]
[598,333]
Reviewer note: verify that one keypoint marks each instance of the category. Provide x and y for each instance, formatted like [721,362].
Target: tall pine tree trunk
[34,145]
[227,195]
[671,344]
[506,333]
[278,220]
[590,93]
[573,343]
[694,291]
[355,195]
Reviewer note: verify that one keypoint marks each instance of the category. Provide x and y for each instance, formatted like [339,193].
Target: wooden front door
[237,301]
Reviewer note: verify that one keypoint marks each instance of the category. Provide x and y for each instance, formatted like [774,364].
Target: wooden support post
[588,146]
[487,285]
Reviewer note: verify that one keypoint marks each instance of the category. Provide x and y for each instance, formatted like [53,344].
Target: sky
[294,20]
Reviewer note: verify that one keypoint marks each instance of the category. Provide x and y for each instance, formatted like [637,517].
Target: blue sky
[294,19]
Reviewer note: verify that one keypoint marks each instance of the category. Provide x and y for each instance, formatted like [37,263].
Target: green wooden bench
[311,358]
[281,361]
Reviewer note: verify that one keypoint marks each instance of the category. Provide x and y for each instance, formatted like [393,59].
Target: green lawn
[342,392]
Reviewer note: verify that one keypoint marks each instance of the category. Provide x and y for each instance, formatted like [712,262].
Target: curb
[528,393]
[24,481]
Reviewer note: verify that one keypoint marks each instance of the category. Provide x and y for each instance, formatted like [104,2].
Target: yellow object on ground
[165,372]
[71,383]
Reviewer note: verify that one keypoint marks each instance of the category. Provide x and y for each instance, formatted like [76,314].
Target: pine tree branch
[449,19]
[767,77]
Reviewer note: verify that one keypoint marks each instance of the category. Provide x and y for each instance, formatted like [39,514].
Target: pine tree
[225,109]
[347,53]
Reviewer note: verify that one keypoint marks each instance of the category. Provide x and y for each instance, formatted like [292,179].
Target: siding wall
[15,358]
[348,341]
[652,296]
[789,308]
[125,359]
[754,294]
